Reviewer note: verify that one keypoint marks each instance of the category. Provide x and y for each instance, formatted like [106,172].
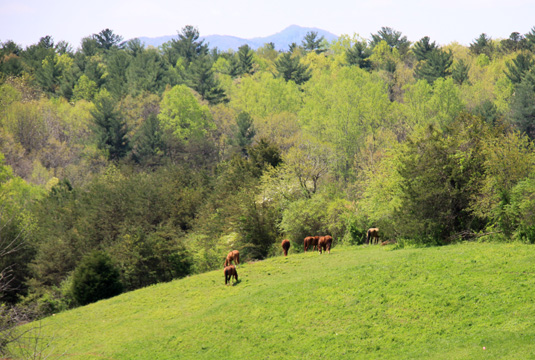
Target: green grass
[356,303]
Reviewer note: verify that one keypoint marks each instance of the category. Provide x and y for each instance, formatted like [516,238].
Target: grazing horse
[325,243]
[308,242]
[285,246]
[230,271]
[372,233]
[233,256]
[315,241]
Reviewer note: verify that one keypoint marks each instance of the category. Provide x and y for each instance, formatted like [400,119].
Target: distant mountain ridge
[292,34]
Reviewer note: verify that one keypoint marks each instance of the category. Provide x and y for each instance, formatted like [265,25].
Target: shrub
[95,279]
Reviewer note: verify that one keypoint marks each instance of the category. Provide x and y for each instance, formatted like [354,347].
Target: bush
[95,279]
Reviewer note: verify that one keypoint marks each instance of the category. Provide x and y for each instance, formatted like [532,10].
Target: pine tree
[110,128]
[312,42]
[460,72]
[482,45]
[437,65]
[289,68]
[423,48]
[107,40]
[244,132]
[359,55]
[245,56]
[393,38]
[519,67]
[201,78]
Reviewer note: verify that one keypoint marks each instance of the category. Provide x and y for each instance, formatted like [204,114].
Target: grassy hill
[356,303]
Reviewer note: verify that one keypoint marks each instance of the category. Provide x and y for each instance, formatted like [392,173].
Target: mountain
[292,34]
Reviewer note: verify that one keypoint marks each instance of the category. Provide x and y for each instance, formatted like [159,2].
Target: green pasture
[468,301]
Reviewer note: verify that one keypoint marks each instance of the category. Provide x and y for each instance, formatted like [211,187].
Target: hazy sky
[25,21]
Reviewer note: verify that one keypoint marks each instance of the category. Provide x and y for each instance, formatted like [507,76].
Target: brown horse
[315,241]
[373,234]
[230,271]
[325,243]
[285,246]
[307,242]
[233,256]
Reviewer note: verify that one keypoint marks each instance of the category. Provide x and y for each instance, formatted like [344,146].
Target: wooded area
[152,163]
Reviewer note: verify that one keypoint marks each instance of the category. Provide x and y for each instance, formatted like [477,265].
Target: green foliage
[107,40]
[245,56]
[518,68]
[289,68]
[459,72]
[244,132]
[147,259]
[311,42]
[482,45]
[423,48]
[95,278]
[200,77]
[183,115]
[359,55]
[393,38]
[109,127]
[436,65]
[435,205]
[523,105]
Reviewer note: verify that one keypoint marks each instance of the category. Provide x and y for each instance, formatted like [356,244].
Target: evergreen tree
[460,72]
[245,56]
[482,45]
[514,43]
[289,68]
[107,40]
[522,64]
[148,142]
[437,65]
[530,39]
[186,47]
[10,60]
[117,63]
[110,127]
[359,55]
[95,279]
[312,42]
[393,38]
[423,48]
[523,105]
[201,78]
[244,132]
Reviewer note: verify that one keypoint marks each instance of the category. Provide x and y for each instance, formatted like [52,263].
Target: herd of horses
[316,243]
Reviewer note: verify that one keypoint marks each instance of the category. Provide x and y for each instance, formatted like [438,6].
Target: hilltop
[465,301]
[281,39]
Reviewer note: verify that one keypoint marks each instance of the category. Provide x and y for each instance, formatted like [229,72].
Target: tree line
[152,163]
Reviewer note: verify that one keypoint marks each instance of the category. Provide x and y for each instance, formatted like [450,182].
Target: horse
[374,234]
[233,256]
[315,241]
[285,246]
[308,241]
[325,243]
[230,271]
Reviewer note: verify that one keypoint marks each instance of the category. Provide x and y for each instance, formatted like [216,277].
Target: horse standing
[373,233]
[285,246]
[233,256]
[325,243]
[230,271]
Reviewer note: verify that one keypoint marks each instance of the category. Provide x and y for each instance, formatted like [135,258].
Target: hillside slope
[465,301]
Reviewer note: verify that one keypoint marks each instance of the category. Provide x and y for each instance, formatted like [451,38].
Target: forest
[131,165]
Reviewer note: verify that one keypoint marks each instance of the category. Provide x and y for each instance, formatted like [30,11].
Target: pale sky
[26,21]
